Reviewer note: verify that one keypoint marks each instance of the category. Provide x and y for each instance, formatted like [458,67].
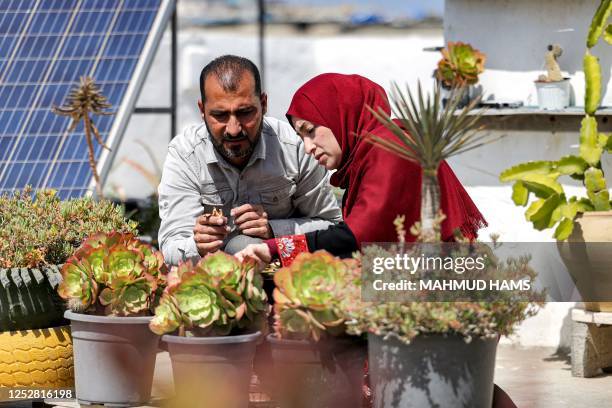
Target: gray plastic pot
[318,375]
[432,371]
[212,371]
[114,359]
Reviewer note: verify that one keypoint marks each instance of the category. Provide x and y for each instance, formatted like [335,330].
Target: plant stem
[430,204]
[92,157]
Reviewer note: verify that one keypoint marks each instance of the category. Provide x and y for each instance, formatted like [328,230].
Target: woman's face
[319,142]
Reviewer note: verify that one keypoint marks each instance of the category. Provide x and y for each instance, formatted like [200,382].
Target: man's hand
[260,253]
[252,220]
[209,232]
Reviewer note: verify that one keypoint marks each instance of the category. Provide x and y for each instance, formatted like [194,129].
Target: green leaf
[541,211]
[605,140]
[564,229]
[608,34]
[589,141]
[599,21]
[520,194]
[543,185]
[571,165]
[519,171]
[594,179]
[596,189]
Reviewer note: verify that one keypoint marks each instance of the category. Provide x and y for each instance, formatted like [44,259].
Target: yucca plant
[428,134]
[83,101]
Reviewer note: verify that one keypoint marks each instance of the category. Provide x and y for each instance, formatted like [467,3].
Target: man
[251,168]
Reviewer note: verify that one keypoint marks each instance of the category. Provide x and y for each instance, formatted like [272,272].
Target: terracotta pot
[587,256]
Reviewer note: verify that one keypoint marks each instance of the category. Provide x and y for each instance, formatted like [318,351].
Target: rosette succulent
[460,65]
[214,297]
[113,274]
[309,295]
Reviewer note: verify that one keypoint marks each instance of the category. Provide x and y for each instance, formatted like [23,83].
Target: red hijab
[380,185]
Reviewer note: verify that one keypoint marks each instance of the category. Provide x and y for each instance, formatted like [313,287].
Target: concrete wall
[515,33]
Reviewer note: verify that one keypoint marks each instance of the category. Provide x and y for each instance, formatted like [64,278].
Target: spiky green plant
[552,208]
[83,101]
[309,296]
[217,296]
[428,134]
[113,274]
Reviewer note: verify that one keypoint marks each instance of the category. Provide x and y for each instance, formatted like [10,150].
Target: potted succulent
[315,362]
[459,68]
[577,220]
[38,232]
[211,316]
[112,283]
[553,88]
[435,353]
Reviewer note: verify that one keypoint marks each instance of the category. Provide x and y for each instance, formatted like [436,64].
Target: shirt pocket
[278,201]
[213,196]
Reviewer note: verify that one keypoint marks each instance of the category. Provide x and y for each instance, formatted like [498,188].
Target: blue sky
[413,8]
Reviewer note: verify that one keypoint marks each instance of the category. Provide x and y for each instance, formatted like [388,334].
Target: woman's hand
[260,253]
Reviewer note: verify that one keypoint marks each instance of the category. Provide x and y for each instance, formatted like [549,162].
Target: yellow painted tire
[37,358]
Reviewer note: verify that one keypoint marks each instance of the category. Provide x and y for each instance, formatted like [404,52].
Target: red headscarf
[380,185]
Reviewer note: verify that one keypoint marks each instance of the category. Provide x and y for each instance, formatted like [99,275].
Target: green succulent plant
[39,229]
[460,65]
[217,296]
[309,294]
[552,208]
[109,274]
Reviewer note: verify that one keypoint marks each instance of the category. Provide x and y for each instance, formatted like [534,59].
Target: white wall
[514,35]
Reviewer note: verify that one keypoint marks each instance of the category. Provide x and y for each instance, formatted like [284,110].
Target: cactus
[553,208]
[552,66]
[217,296]
[109,274]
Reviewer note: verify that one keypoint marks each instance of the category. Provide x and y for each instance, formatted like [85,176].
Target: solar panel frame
[38,47]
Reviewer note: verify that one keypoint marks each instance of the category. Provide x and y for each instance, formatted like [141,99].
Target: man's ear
[201,107]
[264,103]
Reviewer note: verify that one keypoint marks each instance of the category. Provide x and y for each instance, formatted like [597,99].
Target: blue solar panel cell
[45,47]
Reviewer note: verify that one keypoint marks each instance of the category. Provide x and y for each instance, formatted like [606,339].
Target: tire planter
[587,257]
[114,359]
[432,371]
[318,375]
[212,371]
[37,358]
[28,299]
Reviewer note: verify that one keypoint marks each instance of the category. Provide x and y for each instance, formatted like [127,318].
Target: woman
[330,113]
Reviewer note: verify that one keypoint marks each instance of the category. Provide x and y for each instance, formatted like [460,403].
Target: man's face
[234,119]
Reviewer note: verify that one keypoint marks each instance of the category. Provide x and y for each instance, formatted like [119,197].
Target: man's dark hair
[229,69]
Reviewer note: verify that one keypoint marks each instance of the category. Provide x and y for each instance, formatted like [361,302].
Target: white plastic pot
[553,95]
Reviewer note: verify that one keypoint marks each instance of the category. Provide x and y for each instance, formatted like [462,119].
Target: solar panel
[45,47]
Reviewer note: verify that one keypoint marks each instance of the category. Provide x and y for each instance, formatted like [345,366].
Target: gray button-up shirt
[290,185]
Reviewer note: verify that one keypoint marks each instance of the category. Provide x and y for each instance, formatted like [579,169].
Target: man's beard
[237,152]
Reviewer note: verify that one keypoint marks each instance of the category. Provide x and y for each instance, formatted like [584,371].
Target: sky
[411,8]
